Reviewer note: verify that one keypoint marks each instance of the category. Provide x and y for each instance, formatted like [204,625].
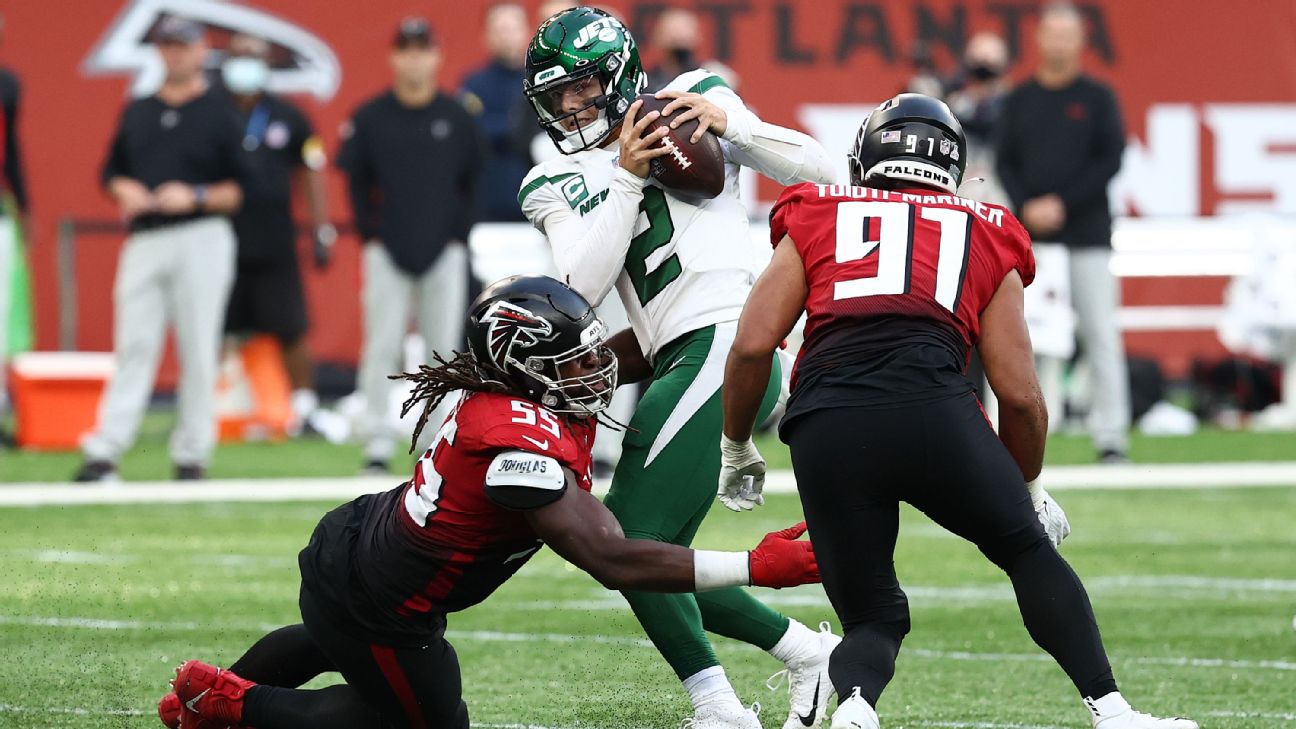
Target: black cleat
[375,467]
[92,471]
[1112,457]
[189,472]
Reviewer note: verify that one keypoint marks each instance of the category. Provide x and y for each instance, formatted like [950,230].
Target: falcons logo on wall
[508,325]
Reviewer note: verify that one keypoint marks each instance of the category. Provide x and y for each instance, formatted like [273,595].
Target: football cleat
[808,683]
[169,709]
[1114,712]
[211,693]
[855,713]
[723,715]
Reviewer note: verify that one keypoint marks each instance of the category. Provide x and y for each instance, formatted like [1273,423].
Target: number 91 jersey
[896,284]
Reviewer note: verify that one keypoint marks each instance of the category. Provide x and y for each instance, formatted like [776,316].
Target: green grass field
[1194,589]
[314,458]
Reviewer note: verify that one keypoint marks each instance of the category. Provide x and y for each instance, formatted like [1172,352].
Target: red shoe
[169,709]
[211,693]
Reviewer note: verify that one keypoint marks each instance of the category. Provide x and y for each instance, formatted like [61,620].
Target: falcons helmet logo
[508,325]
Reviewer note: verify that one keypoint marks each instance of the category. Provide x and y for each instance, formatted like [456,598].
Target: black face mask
[981,72]
[682,58]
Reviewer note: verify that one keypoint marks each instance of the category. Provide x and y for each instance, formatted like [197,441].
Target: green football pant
[663,487]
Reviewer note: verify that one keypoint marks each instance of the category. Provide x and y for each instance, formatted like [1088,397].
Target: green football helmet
[578,46]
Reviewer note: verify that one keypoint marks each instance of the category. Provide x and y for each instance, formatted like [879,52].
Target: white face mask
[244,75]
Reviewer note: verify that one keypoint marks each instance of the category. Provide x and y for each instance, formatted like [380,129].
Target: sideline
[1061,478]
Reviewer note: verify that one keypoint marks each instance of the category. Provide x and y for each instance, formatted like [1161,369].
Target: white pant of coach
[439,298]
[178,275]
[1095,296]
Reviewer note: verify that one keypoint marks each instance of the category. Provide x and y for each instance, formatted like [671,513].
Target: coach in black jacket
[1060,144]
[412,157]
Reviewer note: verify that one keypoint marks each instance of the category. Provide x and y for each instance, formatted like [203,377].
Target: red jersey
[897,281]
[440,543]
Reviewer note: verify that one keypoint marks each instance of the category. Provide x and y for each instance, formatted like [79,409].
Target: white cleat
[855,713]
[808,683]
[1114,712]
[723,715]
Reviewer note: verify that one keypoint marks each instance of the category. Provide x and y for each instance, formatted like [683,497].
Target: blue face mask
[245,76]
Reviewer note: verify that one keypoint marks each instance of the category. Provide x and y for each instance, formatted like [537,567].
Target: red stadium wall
[1206,93]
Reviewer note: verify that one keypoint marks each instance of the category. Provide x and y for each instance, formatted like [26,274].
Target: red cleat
[169,709]
[210,693]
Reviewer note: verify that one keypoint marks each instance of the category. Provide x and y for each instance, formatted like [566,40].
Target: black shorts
[412,687]
[268,299]
[854,466]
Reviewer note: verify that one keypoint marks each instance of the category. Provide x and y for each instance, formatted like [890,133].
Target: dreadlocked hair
[433,382]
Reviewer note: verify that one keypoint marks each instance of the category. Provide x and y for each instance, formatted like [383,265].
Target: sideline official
[412,157]
[280,147]
[174,169]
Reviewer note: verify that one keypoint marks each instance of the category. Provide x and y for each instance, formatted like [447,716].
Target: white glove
[1050,514]
[742,475]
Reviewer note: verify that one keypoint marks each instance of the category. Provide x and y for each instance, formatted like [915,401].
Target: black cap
[414,31]
[174,29]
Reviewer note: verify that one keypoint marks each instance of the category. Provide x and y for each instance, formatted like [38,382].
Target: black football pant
[386,687]
[853,468]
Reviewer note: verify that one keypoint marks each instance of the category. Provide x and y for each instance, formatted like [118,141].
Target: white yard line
[1252,715]
[1129,477]
[492,636]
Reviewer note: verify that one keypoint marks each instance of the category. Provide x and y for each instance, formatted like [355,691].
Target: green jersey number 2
[659,232]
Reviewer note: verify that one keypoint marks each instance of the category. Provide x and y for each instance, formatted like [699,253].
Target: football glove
[1050,514]
[742,475]
[781,560]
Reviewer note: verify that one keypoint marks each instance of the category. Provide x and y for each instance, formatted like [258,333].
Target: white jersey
[680,264]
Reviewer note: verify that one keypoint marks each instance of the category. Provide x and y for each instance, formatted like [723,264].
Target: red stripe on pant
[391,670]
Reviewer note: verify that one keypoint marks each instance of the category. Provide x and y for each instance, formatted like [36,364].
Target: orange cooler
[56,396]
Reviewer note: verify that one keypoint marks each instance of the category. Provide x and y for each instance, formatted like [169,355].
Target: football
[693,169]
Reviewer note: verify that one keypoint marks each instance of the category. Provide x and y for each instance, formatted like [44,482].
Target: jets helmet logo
[508,325]
[301,62]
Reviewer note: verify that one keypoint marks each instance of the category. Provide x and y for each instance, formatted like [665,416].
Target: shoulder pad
[521,481]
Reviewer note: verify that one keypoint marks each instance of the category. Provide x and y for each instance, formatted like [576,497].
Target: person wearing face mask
[976,103]
[413,158]
[280,147]
[675,38]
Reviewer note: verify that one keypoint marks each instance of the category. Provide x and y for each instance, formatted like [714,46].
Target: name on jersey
[988,213]
[524,466]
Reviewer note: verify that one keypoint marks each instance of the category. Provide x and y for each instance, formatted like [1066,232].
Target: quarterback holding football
[508,473]
[681,261]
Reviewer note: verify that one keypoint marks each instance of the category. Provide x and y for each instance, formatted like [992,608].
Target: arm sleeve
[1006,154]
[470,181]
[521,480]
[784,155]
[589,255]
[116,164]
[1090,185]
[13,167]
[1023,259]
[353,158]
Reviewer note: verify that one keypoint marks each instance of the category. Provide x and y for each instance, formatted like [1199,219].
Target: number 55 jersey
[393,564]
[896,284]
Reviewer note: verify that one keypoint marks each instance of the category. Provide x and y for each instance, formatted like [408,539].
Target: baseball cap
[414,31]
[174,29]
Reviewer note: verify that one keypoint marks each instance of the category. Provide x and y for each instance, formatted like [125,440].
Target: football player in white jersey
[683,268]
